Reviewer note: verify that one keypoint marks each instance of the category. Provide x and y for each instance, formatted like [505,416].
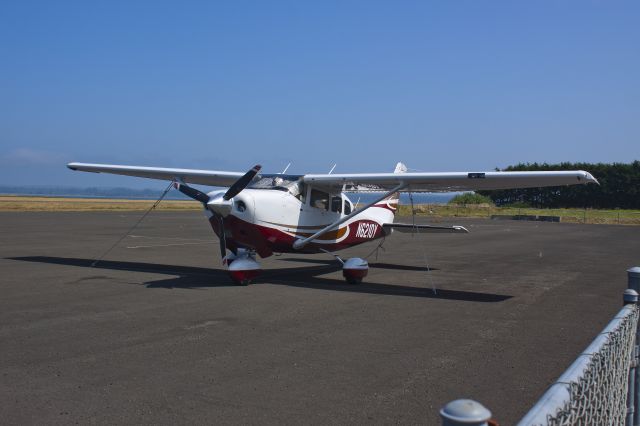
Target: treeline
[619,188]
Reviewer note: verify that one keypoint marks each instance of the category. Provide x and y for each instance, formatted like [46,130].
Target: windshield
[280,183]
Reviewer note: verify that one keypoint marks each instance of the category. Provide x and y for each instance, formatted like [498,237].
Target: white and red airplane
[280,213]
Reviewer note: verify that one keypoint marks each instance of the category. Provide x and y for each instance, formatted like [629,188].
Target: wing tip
[588,178]
[461,229]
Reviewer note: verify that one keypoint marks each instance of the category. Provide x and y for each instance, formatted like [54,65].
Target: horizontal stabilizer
[407,227]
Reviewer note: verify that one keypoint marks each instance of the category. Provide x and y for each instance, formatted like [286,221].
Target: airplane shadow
[378,265]
[191,277]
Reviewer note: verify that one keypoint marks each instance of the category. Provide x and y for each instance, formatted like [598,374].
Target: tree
[619,188]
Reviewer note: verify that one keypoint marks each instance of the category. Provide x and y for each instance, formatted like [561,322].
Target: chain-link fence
[601,387]
[593,391]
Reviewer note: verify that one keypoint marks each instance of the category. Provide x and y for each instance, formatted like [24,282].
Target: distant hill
[90,192]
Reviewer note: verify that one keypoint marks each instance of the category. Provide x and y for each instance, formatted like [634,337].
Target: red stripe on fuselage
[266,240]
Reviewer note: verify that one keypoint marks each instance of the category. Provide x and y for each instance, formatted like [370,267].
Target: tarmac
[156,333]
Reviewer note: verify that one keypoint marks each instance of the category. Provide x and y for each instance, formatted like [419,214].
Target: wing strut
[303,242]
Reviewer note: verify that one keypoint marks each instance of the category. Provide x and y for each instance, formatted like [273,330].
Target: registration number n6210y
[366,230]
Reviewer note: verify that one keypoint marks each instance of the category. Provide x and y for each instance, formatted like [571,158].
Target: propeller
[223,237]
[241,183]
[192,192]
[220,208]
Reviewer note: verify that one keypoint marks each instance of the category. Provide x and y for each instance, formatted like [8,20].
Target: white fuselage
[270,220]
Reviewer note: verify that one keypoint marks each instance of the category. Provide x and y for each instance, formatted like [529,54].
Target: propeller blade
[192,192]
[223,238]
[241,183]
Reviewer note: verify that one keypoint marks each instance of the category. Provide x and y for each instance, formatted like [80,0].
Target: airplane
[262,214]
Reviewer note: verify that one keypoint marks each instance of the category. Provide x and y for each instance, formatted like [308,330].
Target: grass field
[15,203]
[436,211]
[622,217]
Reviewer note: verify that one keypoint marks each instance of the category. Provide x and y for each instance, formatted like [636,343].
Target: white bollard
[464,412]
[630,297]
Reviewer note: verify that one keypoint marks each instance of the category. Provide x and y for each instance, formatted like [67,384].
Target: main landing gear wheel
[240,281]
[354,270]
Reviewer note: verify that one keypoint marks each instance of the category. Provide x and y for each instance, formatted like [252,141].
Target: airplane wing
[201,177]
[364,182]
[446,182]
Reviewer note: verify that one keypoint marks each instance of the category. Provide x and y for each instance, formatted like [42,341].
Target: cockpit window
[319,199]
[336,204]
[347,206]
[301,190]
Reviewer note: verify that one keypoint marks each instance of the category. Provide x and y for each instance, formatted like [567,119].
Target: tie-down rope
[95,262]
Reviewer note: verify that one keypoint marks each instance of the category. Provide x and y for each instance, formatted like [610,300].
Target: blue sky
[442,86]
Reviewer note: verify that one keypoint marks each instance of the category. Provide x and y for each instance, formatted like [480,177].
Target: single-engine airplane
[282,213]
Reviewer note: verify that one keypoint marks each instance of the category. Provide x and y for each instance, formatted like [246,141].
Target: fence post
[633,280]
[630,297]
[633,277]
[465,412]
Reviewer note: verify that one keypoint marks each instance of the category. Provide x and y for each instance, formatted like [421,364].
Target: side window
[347,207]
[302,192]
[319,199]
[336,204]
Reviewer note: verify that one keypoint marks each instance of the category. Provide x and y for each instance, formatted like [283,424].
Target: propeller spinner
[220,206]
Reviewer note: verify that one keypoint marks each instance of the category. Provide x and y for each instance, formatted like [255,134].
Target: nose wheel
[243,267]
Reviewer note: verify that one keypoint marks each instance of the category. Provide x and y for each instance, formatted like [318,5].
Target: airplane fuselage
[271,220]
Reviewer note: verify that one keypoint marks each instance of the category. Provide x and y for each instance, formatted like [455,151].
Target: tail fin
[391,202]
[400,168]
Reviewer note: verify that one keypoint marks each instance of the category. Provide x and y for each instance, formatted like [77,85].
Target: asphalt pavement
[156,333]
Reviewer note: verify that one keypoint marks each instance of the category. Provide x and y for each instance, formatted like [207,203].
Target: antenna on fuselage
[334,166]
[285,169]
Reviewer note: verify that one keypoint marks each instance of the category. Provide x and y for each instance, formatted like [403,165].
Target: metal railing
[601,387]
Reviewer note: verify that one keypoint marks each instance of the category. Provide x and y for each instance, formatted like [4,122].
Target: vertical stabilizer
[391,202]
[400,168]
